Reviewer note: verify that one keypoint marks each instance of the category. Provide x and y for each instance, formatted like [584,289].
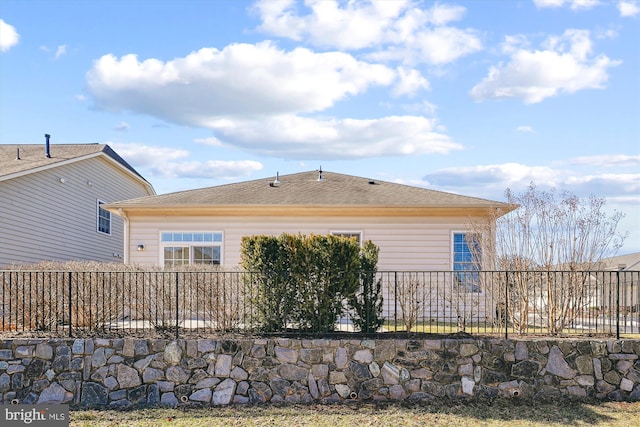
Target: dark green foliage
[367,303]
[301,281]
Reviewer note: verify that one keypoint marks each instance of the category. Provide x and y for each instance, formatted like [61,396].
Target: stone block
[202,395]
[557,365]
[43,351]
[172,353]
[286,355]
[292,372]
[127,377]
[363,356]
[169,399]
[223,394]
[93,395]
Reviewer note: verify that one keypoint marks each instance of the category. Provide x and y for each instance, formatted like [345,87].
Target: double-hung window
[189,248]
[466,262]
[103,219]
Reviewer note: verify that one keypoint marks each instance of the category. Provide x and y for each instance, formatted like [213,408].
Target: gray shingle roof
[32,156]
[304,189]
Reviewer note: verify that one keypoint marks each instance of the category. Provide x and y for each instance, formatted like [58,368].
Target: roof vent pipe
[17,154]
[320,174]
[46,146]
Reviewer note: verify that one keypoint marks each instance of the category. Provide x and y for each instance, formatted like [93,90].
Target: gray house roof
[306,190]
[628,262]
[21,159]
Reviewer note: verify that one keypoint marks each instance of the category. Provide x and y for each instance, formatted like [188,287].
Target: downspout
[126,235]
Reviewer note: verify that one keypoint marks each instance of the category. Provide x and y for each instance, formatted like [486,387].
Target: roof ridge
[299,189]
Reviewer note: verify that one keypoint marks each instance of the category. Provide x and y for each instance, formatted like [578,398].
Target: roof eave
[300,210]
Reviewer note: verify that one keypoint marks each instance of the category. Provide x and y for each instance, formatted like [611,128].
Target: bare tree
[409,292]
[549,233]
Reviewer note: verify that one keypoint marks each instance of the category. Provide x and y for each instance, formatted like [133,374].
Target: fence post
[617,305]
[395,300]
[177,310]
[70,309]
[506,305]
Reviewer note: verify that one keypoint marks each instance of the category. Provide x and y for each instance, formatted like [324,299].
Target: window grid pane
[104,219]
[464,262]
[206,255]
[176,255]
[198,236]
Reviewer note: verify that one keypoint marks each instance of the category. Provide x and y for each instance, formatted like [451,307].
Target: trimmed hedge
[308,282]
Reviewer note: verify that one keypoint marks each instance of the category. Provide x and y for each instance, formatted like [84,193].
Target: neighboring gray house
[51,198]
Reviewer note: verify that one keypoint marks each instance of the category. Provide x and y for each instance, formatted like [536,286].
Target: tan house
[52,198]
[415,228]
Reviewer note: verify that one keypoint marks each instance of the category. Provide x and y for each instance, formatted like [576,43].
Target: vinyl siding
[44,219]
[406,243]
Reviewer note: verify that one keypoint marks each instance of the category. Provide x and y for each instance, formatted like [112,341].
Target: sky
[468,97]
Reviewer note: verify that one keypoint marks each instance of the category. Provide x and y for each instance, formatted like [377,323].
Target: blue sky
[470,97]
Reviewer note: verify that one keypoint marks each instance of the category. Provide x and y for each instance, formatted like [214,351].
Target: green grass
[458,414]
[447,328]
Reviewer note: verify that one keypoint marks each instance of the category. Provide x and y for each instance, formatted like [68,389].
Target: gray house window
[104,219]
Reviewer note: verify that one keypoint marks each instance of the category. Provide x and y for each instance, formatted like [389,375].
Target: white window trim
[98,203]
[341,232]
[452,255]
[162,245]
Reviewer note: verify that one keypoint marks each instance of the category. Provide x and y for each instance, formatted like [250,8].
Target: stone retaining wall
[138,372]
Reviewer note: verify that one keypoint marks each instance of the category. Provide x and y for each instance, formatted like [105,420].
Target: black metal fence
[193,303]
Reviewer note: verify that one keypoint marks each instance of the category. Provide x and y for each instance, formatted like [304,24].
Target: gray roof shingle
[32,156]
[304,189]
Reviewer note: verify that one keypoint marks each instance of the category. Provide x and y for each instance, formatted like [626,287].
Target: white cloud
[527,129]
[609,184]
[166,162]
[422,107]
[495,177]
[442,14]
[9,37]
[610,161]
[212,140]
[439,46]
[389,30]
[255,96]
[295,137]
[353,25]
[241,79]
[565,66]
[607,33]
[61,50]
[628,8]
[142,155]
[409,82]
[490,181]
[212,169]
[573,4]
